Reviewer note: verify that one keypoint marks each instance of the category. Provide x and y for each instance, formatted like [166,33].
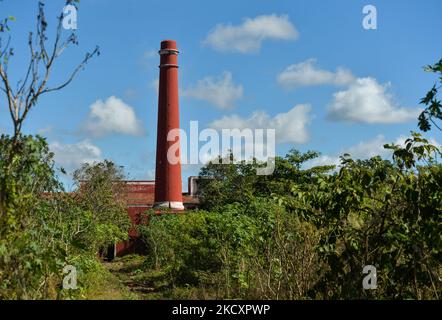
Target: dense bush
[308,233]
[42,228]
[383,214]
[258,251]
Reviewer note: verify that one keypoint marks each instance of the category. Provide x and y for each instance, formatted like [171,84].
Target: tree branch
[34,83]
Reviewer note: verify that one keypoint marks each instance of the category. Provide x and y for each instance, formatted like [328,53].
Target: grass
[129,273]
[105,285]
[127,278]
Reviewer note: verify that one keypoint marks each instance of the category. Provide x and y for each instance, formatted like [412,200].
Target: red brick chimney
[168,186]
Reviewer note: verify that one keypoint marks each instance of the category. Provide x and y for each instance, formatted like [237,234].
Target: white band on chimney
[168,51]
[169,204]
[168,65]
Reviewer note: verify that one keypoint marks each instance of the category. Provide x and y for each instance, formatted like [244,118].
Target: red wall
[134,244]
[140,198]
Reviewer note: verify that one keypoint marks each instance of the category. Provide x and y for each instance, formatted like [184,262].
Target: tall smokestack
[168,191]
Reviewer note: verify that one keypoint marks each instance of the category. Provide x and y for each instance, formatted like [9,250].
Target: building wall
[140,198]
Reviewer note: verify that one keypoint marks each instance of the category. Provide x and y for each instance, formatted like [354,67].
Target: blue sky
[338,87]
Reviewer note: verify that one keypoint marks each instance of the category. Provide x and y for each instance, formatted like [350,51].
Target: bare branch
[6,47]
[79,67]
[36,78]
[8,91]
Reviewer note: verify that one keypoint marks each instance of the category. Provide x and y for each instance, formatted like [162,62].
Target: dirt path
[133,281]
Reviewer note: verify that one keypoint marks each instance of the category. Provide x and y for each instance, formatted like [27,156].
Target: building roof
[142,193]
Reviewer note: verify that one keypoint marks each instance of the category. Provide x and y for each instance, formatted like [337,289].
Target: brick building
[140,198]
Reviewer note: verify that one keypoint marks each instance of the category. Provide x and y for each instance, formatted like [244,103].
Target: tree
[231,182]
[35,81]
[43,229]
[41,63]
[101,191]
[433,110]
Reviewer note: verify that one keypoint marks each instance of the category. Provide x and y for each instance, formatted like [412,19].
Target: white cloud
[72,156]
[364,150]
[220,91]
[363,100]
[306,73]
[112,116]
[367,101]
[290,126]
[369,149]
[322,160]
[402,138]
[248,36]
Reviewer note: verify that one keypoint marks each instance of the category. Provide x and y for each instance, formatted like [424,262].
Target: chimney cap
[168,44]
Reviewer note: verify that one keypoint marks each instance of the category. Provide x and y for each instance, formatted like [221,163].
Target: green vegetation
[308,233]
[432,114]
[296,234]
[300,234]
[43,229]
